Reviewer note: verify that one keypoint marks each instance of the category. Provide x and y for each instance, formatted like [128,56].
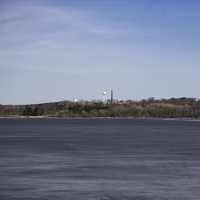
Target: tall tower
[111,96]
[104,97]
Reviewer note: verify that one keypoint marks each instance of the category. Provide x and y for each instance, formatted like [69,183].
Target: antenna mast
[111,96]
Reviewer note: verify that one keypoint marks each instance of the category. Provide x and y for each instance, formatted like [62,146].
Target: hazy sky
[55,50]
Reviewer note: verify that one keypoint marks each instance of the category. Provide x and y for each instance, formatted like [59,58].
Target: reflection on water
[99,159]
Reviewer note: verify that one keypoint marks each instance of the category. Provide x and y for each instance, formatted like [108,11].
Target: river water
[99,159]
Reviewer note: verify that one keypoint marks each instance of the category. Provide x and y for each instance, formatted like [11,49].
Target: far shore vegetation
[158,108]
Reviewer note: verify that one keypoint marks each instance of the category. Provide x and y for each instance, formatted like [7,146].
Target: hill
[162,108]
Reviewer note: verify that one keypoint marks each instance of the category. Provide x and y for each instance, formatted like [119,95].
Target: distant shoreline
[135,118]
[174,108]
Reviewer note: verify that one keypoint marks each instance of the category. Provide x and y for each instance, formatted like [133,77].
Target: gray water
[99,159]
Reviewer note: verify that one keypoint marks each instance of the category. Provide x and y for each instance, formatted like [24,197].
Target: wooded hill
[163,108]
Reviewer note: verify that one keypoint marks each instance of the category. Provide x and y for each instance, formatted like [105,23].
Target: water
[99,159]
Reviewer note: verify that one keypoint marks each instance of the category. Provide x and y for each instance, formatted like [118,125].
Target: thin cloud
[47,17]
[43,36]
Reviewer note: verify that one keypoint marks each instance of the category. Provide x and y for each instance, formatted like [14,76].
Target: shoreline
[134,118]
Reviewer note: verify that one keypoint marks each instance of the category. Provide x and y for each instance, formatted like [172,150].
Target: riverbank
[188,108]
[78,118]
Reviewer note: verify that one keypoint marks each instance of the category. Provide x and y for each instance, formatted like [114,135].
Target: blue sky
[55,50]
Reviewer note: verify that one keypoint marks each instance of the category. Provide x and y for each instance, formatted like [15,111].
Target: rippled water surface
[99,159]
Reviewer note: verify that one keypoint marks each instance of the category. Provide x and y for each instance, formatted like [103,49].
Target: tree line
[163,108]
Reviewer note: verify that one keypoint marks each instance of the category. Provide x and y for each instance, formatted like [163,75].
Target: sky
[65,49]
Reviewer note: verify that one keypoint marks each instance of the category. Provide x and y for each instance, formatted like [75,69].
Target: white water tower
[104,96]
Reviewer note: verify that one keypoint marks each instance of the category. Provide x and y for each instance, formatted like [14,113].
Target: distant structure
[111,96]
[105,97]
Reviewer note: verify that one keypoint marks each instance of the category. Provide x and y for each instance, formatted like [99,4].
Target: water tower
[104,96]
